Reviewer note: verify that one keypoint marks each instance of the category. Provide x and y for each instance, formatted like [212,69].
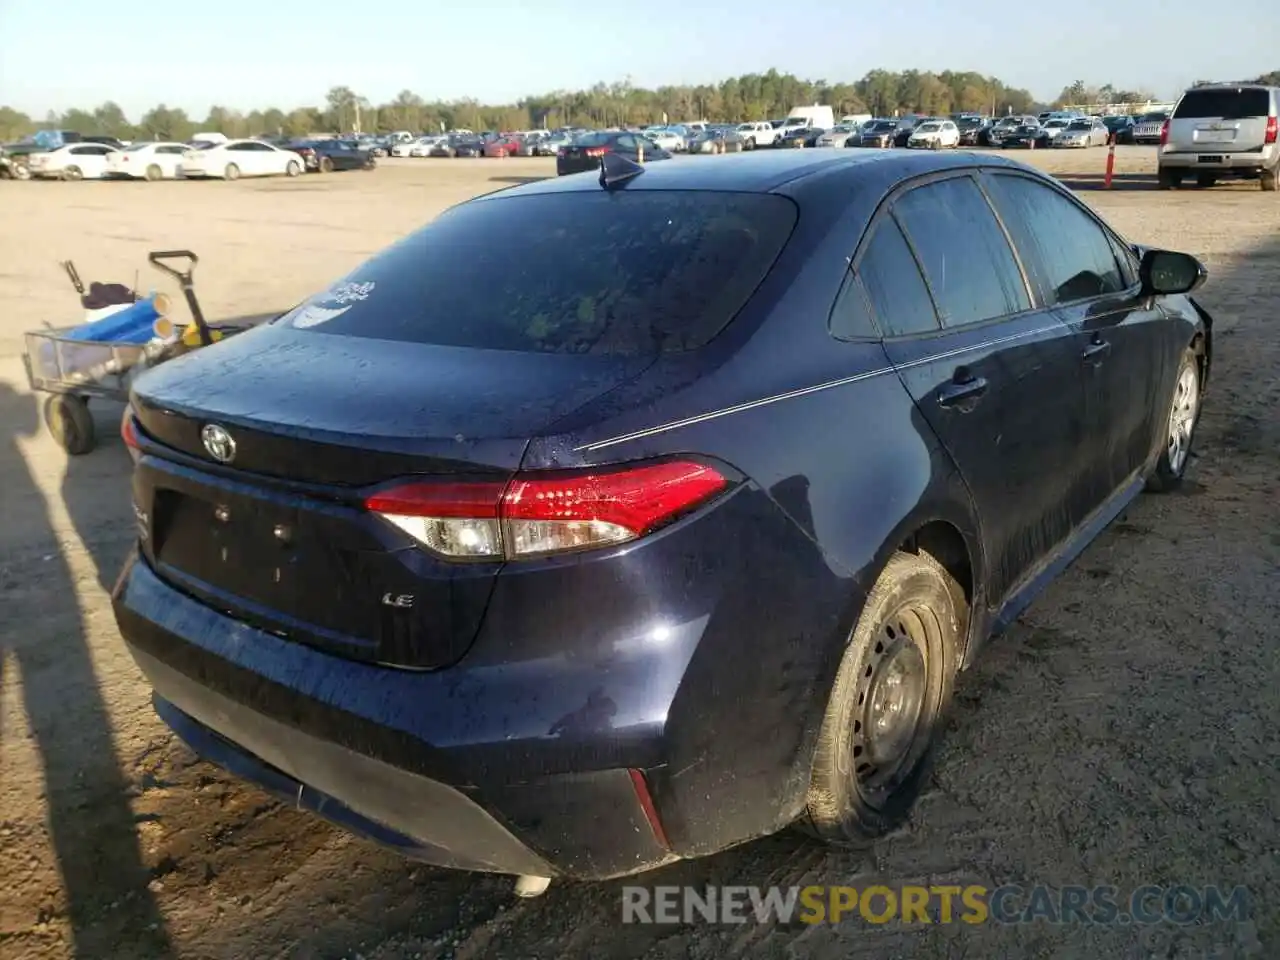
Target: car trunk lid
[260,452]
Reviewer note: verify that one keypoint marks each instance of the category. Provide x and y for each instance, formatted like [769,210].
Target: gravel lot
[1122,733]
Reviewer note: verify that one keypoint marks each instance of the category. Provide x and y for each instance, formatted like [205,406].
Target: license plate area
[1209,158]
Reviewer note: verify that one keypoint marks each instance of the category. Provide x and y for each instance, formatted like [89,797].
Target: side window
[237,146]
[894,288]
[628,142]
[1067,253]
[80,151]
[965,256]
[851,315]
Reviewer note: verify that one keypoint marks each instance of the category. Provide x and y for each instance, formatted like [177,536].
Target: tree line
[749,97]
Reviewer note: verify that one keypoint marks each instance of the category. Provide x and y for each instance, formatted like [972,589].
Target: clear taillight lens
[544,514]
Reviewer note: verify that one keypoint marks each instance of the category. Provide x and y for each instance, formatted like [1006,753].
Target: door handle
[1096,351]
[963,392]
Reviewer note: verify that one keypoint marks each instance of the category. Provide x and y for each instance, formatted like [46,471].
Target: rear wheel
[326,165]
[72,172]
[749,143]
[70,423]
[886,705]
[154,173]
[1168,179]
[1180,426]
[293,168]
[1271,179]
[231,173]
[1206,180]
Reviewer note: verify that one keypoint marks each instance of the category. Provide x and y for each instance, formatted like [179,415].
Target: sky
[285,53]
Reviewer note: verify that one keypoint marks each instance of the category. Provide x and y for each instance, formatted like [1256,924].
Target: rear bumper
[1245,164]
[523,756]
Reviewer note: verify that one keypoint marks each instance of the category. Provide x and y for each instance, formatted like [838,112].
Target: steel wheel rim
[1182,417]
[894,711]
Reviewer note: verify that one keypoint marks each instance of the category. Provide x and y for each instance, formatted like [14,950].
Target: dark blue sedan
[666,532]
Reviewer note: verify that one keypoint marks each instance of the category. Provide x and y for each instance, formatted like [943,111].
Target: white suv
[1219,131]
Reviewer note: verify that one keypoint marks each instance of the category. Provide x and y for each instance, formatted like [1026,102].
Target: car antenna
[617,170]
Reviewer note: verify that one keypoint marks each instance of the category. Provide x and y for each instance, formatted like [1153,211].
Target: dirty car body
[364,579]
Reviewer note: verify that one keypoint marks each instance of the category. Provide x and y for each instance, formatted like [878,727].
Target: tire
[1179,425]
[231,173]
[293,168]
[1270,179]
[154,173]
[72,172]
[749,143]
[21,171]
[1168,179]
[326,165]
[1206,180]
[70,423]
[913,620]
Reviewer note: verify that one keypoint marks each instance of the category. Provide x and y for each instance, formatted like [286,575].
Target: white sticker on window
[331,304]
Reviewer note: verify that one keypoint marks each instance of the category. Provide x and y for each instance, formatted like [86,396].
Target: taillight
[595,151]
[1164,133]
[541,514]
[129,433]
[1271,130]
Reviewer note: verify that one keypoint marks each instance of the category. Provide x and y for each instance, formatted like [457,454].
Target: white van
[808,118]
[855,119]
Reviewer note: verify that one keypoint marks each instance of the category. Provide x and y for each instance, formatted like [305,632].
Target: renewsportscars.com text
[939,904]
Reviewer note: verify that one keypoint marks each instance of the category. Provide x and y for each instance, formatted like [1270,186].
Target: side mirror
[1169,272]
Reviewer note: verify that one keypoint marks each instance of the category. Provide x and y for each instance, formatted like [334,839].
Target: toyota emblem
[218,442]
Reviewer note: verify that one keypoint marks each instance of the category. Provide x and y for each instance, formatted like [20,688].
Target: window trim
[1112,235]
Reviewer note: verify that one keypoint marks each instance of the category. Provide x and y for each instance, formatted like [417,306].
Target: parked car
[758,134]
[468,145]
[971,129]
[585,152]
[1121,128]
[75,161]
[1222,131]
[1026,135]
[404,148]
[644,609]
[799,137]
[326,156]
[1147,128]
[667,139]
[241,158]
[1083,132]
[500,147]
[1050,129]
[880,134]
[841,135]
[159,160]
[907,124]
[716,139]
[423,146]
[994,135]
[935,135]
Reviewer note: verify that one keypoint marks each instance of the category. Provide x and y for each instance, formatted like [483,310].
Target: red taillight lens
[1164,133]
[550,513]
[1271,130]
[595,151]
[129,432]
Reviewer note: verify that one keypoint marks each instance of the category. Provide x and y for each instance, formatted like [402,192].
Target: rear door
[1088,277]
[91,158]
[1221,119]
[995,377]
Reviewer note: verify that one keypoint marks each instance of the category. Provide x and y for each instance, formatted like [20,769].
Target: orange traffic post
[1111,163]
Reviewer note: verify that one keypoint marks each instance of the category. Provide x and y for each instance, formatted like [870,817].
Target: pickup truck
[757,134]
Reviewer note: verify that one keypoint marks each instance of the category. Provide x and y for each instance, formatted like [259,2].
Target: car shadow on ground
[90,822]
[1119,181]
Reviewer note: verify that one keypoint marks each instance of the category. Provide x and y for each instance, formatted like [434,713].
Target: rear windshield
[611,273]
[1227,104]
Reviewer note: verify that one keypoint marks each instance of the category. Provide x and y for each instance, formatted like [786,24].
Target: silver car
[1085,132]
[1220,131]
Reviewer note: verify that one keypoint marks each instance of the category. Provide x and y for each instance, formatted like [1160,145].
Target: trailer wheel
[70,423]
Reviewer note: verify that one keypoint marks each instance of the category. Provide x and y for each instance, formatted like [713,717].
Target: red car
[502,147]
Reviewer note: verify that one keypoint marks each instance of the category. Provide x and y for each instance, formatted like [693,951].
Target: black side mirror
[1169,272]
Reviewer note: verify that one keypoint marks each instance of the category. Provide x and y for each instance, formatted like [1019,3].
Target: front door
[1083,273]
[995,378]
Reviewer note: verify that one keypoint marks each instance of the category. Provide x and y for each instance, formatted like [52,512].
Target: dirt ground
[1124,732]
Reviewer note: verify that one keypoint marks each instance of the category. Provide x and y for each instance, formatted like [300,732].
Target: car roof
[762,171]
